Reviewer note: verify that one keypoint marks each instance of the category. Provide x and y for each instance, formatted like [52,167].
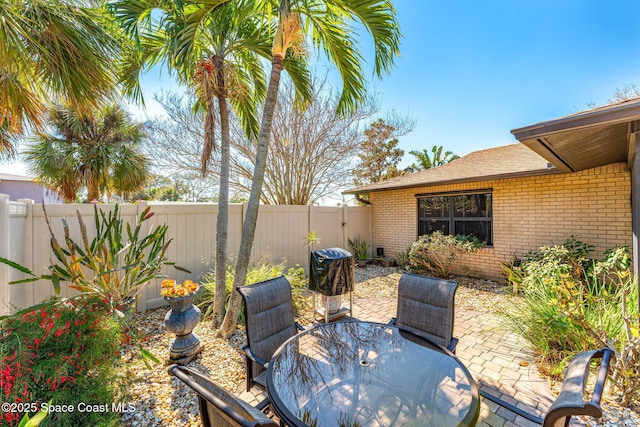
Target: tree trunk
[222,221]
[251,218]
[93,192]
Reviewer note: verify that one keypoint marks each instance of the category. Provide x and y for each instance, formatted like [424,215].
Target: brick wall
[593,205]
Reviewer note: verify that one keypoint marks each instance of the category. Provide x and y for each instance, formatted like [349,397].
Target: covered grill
[331,275]
[331,271]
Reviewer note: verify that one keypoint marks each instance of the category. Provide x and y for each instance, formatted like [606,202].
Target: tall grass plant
[258,272]
[571,303]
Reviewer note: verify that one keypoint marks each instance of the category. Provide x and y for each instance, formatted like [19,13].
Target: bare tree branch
[174,145]
[312,151]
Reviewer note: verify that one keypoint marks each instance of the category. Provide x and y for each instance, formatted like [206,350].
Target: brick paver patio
[500,362]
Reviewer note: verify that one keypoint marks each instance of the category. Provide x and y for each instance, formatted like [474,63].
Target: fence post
[143,297]
[5,238]
[27,250]
[309,229]
[345,227]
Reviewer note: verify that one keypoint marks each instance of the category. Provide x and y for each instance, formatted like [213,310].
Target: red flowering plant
[67,351]
[64,352]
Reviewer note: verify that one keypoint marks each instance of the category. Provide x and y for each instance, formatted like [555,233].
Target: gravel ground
[161,400]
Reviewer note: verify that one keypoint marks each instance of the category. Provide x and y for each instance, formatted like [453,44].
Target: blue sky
[470,71]
[473,70]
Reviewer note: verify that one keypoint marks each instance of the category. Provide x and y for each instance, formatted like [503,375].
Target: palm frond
[380,19]
[19,101]
[333,35]
[298,71]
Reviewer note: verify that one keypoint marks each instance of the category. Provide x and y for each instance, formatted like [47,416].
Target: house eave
[468,180]
[606,116]
[584,140]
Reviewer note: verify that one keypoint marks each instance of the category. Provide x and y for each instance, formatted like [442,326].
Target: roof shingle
[494,163]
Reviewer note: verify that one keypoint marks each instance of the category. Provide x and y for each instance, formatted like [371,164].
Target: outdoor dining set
[352,373]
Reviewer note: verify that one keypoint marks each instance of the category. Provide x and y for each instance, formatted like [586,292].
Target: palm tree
[435,159]
[98,152]
[51,50]
[330,27]
[215,47]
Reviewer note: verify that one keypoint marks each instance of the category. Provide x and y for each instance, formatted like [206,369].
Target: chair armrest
[602,375]
[571,401]
[452,345]
[251,356]
[392,321]
[263,405]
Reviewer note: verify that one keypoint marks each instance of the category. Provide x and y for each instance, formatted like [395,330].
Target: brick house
[572,176]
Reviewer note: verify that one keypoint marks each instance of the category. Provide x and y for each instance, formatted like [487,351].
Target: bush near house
[573,254]
[571,303]
[361,248]
[402,260]
[438,254]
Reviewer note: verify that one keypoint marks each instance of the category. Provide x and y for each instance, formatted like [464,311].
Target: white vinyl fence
[280,235]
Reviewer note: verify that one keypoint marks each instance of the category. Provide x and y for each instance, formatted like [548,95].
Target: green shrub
[573,254]
[437,253]
[259,272]
[64,353]
[402,259]
[513,272]
[571,304]
[361,248]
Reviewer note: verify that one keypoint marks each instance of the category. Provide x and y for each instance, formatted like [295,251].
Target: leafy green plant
[347,420]
[513,273]
[574,253]
[571,303]
[112,266]
[361,248]
[308,419]
[402,259]
[438,253]
[37,418]
[258,272]
[63,352]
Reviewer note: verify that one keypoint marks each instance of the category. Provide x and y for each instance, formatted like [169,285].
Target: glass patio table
[369,374]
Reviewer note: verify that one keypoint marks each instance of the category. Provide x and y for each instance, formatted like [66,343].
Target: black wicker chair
[218,407]
[570,401]
[269,322]
[426,307]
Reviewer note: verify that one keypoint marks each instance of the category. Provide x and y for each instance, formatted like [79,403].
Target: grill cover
[331,271]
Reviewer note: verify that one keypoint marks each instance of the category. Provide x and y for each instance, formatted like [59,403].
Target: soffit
[585,140]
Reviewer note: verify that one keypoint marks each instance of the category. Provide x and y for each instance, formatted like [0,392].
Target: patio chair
[426,307]
[570,401]
[218,407]
[269,322]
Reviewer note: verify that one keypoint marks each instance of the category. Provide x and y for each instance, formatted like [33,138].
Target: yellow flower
[171,289]
[168,283]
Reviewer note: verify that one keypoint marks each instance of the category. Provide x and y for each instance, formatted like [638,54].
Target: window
[457,213]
